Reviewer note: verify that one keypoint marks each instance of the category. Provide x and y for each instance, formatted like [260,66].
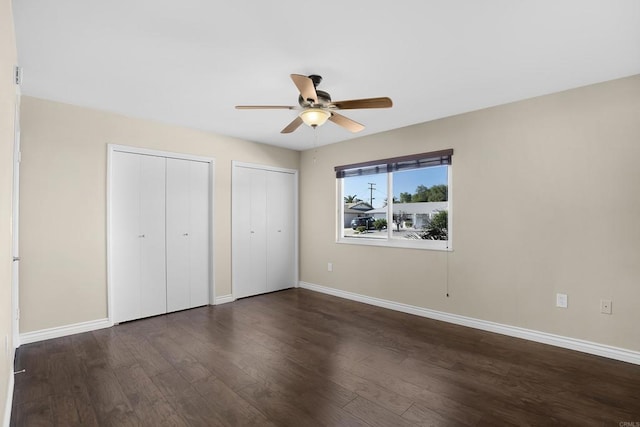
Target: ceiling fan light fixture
[315,117]
[317,106]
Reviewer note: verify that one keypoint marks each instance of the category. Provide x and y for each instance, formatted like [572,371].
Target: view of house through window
[365,200]
[416,214]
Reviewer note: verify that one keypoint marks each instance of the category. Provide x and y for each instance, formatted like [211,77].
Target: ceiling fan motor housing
[324,99]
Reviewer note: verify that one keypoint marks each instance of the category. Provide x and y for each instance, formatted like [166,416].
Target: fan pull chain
[315,143]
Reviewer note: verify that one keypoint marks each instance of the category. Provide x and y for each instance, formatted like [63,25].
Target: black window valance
[413,161]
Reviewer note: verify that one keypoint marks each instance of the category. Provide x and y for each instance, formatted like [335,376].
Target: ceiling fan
[317,107]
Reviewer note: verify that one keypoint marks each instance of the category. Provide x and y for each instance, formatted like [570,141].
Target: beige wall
[546,199]
[8,59]
[63,203]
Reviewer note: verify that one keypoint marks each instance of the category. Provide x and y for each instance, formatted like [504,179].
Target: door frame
[111,148]
[237,164]
[15,219]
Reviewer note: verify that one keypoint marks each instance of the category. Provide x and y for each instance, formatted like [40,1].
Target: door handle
[185,234]
[16,258]
[141,236]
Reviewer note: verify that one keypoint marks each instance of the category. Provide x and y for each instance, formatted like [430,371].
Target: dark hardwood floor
[300,358]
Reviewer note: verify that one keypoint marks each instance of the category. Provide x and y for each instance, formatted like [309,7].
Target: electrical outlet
[605,306]
[562,300]
[330,266]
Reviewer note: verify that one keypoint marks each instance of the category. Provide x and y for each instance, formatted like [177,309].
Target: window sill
[430,245]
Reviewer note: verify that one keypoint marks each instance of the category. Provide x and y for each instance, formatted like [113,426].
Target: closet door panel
[177,234]
[240,227]
[248,229]
[280,230]
[153,298]
[138,236]
[258,232]
[199,214]
[125,229]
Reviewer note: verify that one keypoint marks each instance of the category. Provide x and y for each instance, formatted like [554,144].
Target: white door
[153,279]
[280,230]
[199,233]
[187,234]
[137,236]
[249,231]
[258,231]
[264,222]
[177,234]
[240,228]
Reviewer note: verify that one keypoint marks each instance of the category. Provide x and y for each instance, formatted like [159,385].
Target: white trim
[159,153]
[235,163]
[63,331]
[224,299]
[296,228]
[15,220]
[450,199]
[212,229]
[111,148]
[9,402]
[597,349]
[428,245]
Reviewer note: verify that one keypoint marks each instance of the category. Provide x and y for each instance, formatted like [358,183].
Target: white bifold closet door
[138,236]
[160,232]
[263,228]
[187,234]
[280,230]
[249,224]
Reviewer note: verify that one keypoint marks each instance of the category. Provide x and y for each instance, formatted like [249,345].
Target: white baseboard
[224,299]
[92,325]
[9,402]
[62,331]
[513,331]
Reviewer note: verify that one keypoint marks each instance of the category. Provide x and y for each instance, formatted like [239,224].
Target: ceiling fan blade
[292,126]
[265,107]
[306,87]
[352,104]
[345,122]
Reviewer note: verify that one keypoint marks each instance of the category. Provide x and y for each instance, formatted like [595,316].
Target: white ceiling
[188,62]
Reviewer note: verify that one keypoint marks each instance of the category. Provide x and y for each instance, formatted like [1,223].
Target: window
[402,201]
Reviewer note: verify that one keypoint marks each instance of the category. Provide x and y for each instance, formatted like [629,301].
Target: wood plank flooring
[300,358]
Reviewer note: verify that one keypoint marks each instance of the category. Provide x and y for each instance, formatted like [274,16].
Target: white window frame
[439,245]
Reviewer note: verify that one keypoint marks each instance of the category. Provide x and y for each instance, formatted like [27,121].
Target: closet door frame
[111,148]
[236,164]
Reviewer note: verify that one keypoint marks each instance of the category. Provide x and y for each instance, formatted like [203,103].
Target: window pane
[420,207]
[365,201]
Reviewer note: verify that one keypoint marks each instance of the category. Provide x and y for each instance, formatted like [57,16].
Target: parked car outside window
[363,221]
